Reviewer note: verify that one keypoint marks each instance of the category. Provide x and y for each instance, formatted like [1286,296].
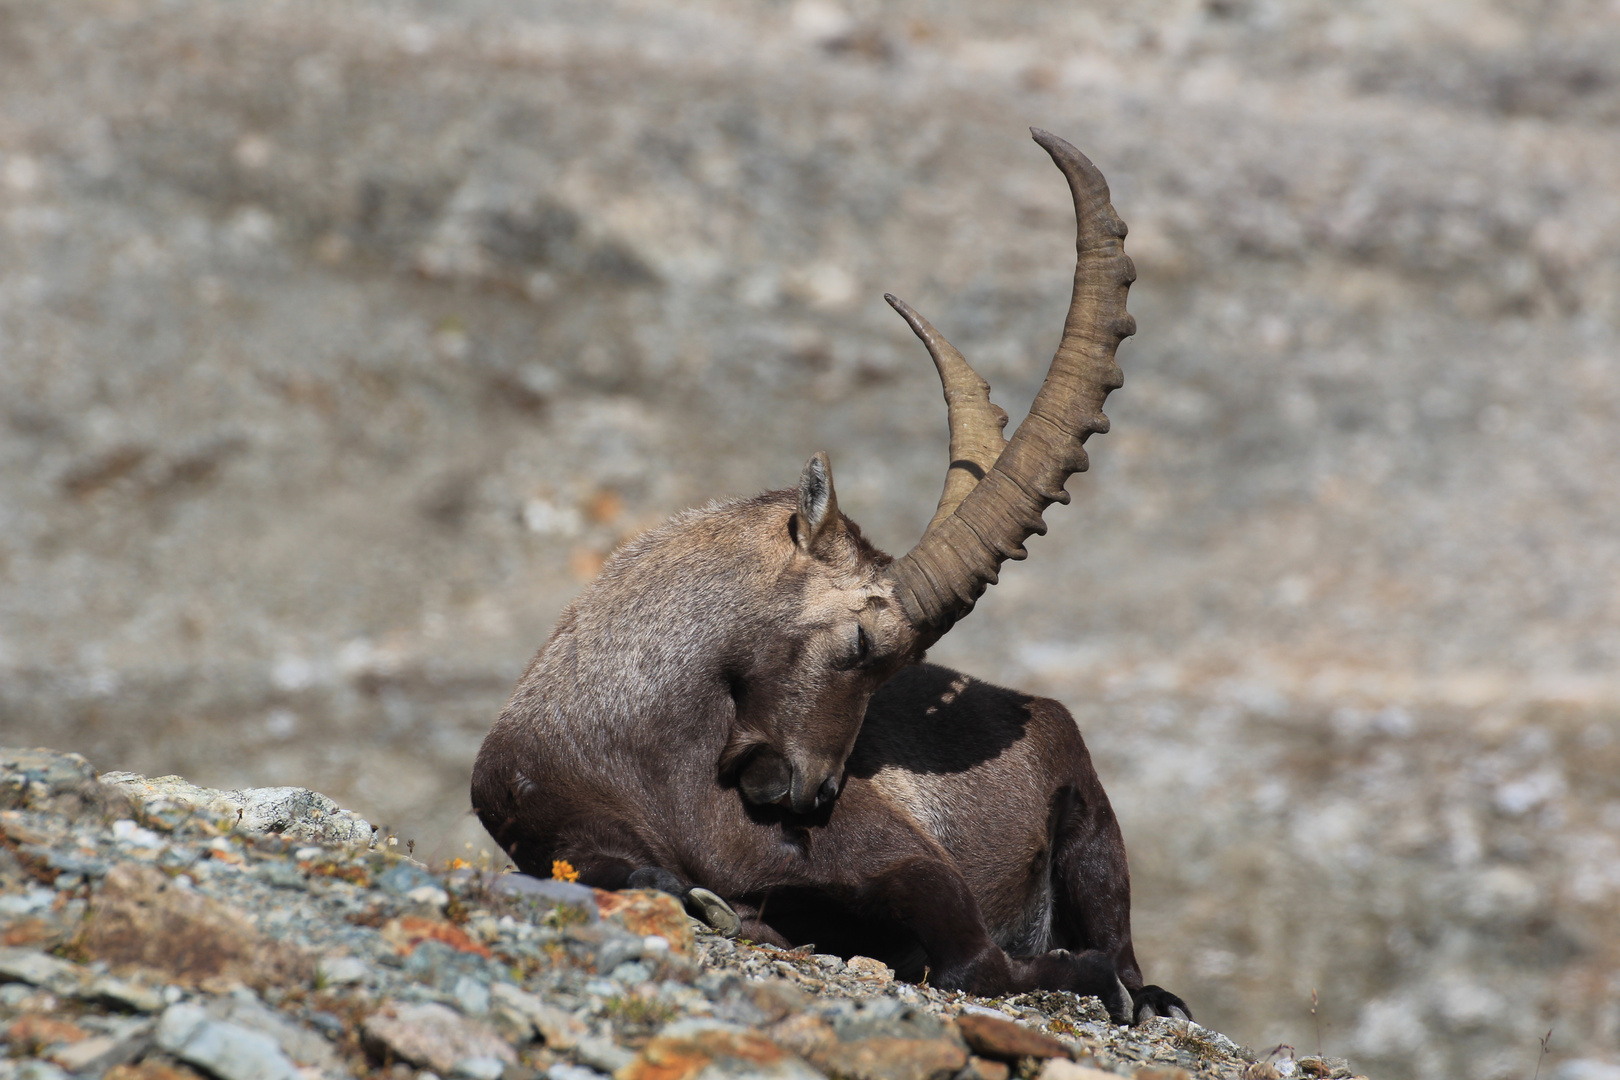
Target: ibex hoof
[715,912]
[1154,1001]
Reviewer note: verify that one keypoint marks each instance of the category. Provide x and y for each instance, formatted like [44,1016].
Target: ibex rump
[695,721]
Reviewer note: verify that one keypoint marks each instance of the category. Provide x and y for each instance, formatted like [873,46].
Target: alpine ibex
[735,708]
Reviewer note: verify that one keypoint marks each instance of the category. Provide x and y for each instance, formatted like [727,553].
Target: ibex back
[695,722]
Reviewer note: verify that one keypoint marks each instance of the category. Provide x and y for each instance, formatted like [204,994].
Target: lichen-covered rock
[140,919]
[714,1050]
[293,812]
[646,912]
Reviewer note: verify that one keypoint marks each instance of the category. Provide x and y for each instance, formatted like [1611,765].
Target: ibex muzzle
[695,721]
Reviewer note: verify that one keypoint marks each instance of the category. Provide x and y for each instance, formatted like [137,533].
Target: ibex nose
[806,798]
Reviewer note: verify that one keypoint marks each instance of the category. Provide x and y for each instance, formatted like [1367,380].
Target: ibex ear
[818,504]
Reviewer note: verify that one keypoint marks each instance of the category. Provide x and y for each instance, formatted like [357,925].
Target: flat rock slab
[996,1038]
[223,1049]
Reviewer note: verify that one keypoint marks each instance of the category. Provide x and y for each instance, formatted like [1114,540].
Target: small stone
[29,901]
[996,1038]
[979,1068]
[125,993]
[37,1070]
[34,1032]
[479,1068]
[631,973]
[472,996]
[150,1070]
[228,1051]
[432,1036]
[604,1054]
[687,1049]
[805,1034]
[892,1059]
[1063,1069]
[774,998]
[559,1029]
[1166,1072]
[96,1055]
[341,970]
[128,832]
[564,1071]
[870,970]
[404,877]
[37,969]
[282,874]
[601,947]
[430,896]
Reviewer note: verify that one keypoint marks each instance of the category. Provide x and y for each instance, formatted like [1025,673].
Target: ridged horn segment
[976,422]
[940,579]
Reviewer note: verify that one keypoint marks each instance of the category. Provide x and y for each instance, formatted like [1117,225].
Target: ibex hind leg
[1092,882]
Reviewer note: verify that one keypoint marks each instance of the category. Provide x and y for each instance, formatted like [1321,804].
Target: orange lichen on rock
[409,931]
[647,911]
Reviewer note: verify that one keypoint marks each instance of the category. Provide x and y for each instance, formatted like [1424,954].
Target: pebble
[123,993]
[37,969]
[341,970]
[559,1029]
[572,1072]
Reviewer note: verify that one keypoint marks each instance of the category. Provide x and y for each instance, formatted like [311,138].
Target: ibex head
[859,616]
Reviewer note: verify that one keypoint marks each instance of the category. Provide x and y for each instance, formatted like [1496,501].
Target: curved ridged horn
[976,422]
[939,580]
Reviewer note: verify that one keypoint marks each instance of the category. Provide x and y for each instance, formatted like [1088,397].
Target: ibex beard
[736,710]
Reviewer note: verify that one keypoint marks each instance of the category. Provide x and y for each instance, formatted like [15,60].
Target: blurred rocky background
[340,343]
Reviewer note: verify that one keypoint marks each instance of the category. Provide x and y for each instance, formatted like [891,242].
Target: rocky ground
[153,930]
